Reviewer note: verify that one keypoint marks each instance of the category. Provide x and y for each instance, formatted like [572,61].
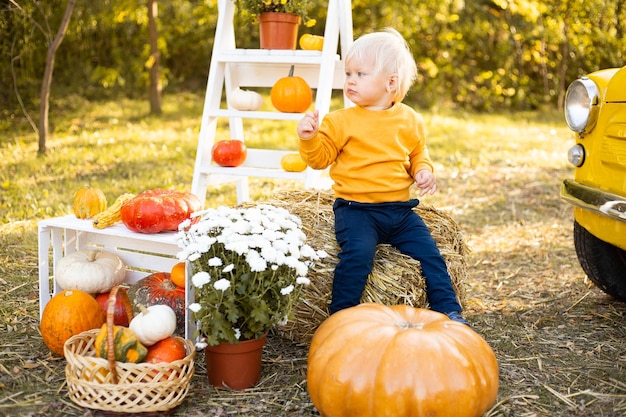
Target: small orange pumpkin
[375,360]
[167,350]
[177,274]
[292,162]
[311,42]
[291,94]
[88,202]
[68,313]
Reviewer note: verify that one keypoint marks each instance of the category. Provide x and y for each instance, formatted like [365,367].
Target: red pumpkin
[123,309]
[229,153]
[154,211]
[158,288]
[167,350]
[374,360]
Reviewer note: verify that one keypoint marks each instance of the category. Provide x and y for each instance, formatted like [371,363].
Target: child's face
[366,88]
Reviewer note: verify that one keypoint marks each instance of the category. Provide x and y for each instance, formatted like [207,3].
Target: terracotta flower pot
[235,365]
[279,30]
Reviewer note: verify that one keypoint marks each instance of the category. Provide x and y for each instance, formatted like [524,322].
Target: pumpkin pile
[147,313]
[134,369]
[148,338]
[151,211]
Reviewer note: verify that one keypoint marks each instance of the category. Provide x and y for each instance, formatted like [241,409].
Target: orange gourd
[311,42]
[167,350]
[88,202]
[374,360]
[291,94]
[292,162]
[68,313]
[177,274]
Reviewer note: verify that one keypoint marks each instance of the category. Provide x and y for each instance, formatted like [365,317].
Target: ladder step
[243,171]
[254,114]
[272,56]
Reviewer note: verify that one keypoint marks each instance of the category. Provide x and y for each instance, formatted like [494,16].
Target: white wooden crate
[142,253]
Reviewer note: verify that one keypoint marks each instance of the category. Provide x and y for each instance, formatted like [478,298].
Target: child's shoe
[456,316]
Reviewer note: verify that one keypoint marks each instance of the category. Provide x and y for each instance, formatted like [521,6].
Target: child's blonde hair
[391,55]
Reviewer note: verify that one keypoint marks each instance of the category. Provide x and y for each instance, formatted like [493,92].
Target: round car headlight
[581,105]
[576,155]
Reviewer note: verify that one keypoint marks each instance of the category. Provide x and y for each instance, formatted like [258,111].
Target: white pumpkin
[90,270]
[154,323]
[245,100]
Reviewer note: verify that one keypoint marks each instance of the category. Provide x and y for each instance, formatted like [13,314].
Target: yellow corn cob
[112,214]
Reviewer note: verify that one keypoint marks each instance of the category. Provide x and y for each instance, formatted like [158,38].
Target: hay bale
[395,278]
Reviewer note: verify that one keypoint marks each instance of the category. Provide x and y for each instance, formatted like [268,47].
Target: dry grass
[560,342]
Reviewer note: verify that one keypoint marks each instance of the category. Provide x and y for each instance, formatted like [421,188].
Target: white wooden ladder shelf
[232,68]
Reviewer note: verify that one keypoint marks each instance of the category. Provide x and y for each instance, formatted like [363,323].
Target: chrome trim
[594,199]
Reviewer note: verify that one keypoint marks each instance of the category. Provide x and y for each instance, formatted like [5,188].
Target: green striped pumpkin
[126,345]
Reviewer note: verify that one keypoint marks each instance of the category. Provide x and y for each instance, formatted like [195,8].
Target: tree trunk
[155,59]
[44,105]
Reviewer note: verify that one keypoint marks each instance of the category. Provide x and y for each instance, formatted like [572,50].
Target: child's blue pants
[359,227]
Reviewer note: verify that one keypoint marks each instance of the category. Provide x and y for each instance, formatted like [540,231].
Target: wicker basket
[104,384]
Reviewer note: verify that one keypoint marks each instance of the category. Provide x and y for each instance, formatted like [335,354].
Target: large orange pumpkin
[68,313]
[291,94]
[374,360]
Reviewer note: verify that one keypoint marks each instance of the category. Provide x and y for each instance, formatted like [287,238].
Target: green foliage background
[481,54]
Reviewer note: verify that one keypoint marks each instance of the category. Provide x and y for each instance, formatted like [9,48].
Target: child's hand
[309,124]
[426,182]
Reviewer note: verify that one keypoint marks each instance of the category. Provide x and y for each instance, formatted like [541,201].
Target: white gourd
[90,270]
[245,100]
[154,323]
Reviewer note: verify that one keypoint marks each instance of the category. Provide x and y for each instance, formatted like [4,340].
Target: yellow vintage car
[595,109]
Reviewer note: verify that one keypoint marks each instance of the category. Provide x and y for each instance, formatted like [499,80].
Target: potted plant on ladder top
[278,20]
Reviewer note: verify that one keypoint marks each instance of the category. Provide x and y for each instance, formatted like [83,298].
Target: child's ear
[392,83]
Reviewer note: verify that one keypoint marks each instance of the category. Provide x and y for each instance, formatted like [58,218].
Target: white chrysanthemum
[287,290]
[195,307]
[281,246]
[228,268]
[215,261]
[200,279]
[237,333]
[222,284]
[270,254]
[303,281]
[308,252]
[256,261]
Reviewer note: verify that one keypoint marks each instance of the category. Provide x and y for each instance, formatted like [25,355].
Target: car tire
[604,264]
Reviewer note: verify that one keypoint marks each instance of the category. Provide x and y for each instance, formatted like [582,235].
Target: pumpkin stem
[92,254]
[291,70]
[408,325]
[168,284]
[143,309]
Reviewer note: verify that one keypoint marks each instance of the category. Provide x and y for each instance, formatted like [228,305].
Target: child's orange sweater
[373,155]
